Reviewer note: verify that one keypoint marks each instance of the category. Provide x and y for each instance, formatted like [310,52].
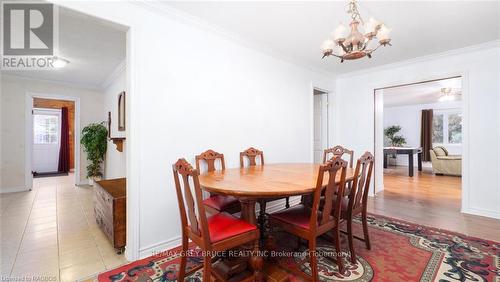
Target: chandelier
[355,45]
[447,95]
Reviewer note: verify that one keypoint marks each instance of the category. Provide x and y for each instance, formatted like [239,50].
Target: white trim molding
[160,247]
[468,49]
[481,212]
[120,68]
[185,18]
[14,189]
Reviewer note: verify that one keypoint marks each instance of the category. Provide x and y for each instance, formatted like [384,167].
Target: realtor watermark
[31,278]
[29,35]
[247,253]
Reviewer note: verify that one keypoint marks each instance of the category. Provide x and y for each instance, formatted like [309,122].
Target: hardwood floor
[430,200]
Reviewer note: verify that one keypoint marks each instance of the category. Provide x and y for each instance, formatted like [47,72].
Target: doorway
[46,141]
[422,120]
[44,132]
[320,125]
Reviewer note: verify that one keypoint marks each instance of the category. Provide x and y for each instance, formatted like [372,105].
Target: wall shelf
[118,141]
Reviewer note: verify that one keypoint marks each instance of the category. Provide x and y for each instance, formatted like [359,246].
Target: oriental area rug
[400,251]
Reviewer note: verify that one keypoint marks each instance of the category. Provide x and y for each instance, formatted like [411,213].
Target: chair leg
[365,231]
[350,238]
[207,268]
[287,204]
[338,250]
[314,260]
[182,270]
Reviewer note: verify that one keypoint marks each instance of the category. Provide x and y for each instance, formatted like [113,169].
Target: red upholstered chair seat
[298,215]
[222,226]
[221,202]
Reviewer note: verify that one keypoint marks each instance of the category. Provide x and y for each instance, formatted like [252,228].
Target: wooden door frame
[465,195]
[28,147]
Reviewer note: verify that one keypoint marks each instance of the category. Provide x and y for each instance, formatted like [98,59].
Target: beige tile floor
[50,232]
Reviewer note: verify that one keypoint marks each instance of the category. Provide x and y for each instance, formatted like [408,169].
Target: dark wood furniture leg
[385,160]
[410,164]
[419,161]
[248,214]
[262,217]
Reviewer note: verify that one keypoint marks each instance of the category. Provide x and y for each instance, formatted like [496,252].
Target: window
[437,128]
[447,127]
[455,128]
[45,129]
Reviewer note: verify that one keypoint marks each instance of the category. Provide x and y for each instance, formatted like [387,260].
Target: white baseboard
[159,247]
[14,189]
[83,182]
[176,241]
[482,212]
[280,204]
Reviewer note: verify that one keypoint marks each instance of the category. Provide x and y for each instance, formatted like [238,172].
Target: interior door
[46,140]
[320,126]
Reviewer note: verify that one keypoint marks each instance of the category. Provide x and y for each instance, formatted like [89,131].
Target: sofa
[443,163]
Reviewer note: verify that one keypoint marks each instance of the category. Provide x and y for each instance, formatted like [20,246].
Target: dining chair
[217,203]
[217,233]
[309,222]
[339,151]
[252,155]
[357,201]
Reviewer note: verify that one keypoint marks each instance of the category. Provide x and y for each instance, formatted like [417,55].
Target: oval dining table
[252,183]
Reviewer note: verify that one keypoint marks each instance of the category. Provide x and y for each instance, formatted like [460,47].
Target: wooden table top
[270,180]
[116,187]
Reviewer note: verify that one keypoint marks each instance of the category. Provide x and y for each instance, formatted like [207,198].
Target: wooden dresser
[110,210]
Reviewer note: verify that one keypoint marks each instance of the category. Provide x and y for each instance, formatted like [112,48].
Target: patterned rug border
[492,242]
[173,251]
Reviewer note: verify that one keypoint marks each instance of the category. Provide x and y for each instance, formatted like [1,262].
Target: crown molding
[121,67]
[58,82]
[460,51]
[185,18]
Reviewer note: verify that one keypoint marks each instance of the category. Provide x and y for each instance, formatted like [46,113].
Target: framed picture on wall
[121,111]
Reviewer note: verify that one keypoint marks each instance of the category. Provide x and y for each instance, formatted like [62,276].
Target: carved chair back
[190,200]
[251,154]
[330,211]
[362,176]
[339,151]
[210,157]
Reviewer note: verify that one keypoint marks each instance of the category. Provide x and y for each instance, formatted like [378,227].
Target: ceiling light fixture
[58,63]
[355,45]
[446,95]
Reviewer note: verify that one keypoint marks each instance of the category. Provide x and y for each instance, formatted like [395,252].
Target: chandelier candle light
[355,45]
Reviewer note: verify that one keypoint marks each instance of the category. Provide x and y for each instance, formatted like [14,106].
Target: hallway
[51,232]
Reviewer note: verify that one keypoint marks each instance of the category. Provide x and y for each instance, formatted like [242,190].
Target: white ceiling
[296,29]
[422,93]
[93,46]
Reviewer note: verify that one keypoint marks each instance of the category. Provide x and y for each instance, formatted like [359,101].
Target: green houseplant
[394,139]
[94,141]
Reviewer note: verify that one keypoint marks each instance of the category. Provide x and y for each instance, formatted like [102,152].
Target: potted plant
[394,139]
[94,141]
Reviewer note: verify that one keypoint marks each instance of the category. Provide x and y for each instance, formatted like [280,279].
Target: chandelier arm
[374,49]
[343,47]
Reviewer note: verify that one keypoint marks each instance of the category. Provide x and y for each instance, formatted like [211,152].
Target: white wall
[192,90]
[115,163]
[409,117]
[13,97]
[480,65]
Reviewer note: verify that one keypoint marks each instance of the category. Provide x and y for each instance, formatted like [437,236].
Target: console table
[405,151]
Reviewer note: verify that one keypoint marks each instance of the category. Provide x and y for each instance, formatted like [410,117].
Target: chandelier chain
[352,9]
